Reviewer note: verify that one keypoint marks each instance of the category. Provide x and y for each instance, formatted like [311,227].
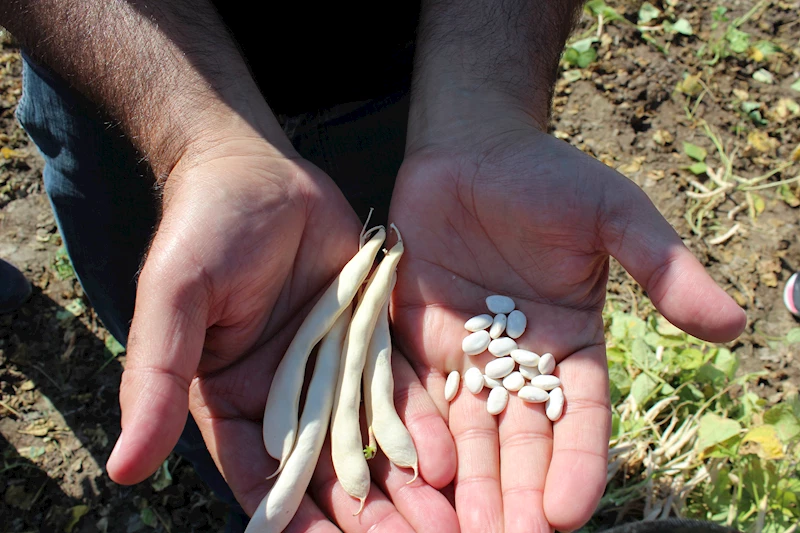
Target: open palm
[249,239]
[527,216]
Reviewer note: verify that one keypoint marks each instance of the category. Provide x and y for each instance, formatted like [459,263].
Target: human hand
[251,234]
[488,208]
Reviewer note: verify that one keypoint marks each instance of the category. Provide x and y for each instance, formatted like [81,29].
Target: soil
[632,108]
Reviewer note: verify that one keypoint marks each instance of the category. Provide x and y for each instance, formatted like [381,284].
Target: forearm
[488,56]
[168,72]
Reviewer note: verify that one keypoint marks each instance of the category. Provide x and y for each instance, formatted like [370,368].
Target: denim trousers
[105,202]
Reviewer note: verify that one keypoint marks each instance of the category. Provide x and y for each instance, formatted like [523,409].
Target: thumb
[164,348]
[636,234]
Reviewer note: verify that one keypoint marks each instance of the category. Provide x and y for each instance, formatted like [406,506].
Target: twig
[773,184]
[11,409]
[725,236]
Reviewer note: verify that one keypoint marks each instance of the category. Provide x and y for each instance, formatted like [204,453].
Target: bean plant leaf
[793,337]
[726,362]
[599,7]
[148,517]
[75,515]
[620,378]
[648,12]
[785,420]
[162,478]
[738,41]
[698,168]
[715,429]
[796,85]
[683,27]
[698,153]
[762,441]
[641,354]
[764,76]
[763,49]
[642,387]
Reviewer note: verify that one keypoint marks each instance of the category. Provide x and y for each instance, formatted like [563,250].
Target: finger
[479,502]
[526,441]
[576,478]
[309,519]
[164,347]
[378,514]
[435,449]
[424,508]
[647,246]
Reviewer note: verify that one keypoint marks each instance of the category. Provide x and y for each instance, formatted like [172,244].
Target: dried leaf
[763,441]
[76,513]
[762,142]
[690,85]
[663,137]
[27,385]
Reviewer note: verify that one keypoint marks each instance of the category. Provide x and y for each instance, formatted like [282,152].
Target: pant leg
[106,210]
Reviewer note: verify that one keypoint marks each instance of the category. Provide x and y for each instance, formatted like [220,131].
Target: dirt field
[634,106]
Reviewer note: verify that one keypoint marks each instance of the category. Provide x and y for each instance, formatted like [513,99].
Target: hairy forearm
[168,72]
[495,53]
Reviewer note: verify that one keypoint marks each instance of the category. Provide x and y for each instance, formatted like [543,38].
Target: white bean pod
[283,402]
[502,346]
[499,368]
[497,401]
[547,363]
[478,323]
[499,304]
[525,357]
[451,385]
[280,504]
[533,394]
[546,382]
[473,379]
[382,418]
[554,406]
[476,343]
[498,326]
[516,324]
[347,453]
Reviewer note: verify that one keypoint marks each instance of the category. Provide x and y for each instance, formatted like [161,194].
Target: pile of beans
[514,369]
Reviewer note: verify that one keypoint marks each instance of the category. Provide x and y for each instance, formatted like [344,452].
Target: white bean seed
[498,399]
[546,382]
[555,404]
[533,394]
[476,343]
[499,368]
[478,323]
[513,382]
[547,363]
[502,346]
[528,372]
[451,385]
[492,383]
[499,304]
[525,357]
[498,326]
[473,379]
[516,323]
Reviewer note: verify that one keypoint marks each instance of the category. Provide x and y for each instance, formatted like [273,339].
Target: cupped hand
[520,213]
[249,238]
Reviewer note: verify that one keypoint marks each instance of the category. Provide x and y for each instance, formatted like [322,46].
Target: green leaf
[785,421]
[788,196]
[114,347]
[715,429]
[666,328]
[586,58]
[648,12]
[599,7]
[642,387]
[708,373]
[726,362]
[162,478]
[796,85]
[764,76]
[62,265]
[738,40]
[698,153]
[148,517]
[689,359]
[683,27]
[584,45]
[719,14]
[749,107]
[698,168]
[641,354]
[620,378]
[767,48]
[614,393]
[75,515]
[793,337]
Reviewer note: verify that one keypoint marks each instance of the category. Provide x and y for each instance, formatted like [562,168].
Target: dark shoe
[14,288]
[791,295]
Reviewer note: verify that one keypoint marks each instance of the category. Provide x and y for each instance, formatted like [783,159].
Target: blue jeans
[104,200]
